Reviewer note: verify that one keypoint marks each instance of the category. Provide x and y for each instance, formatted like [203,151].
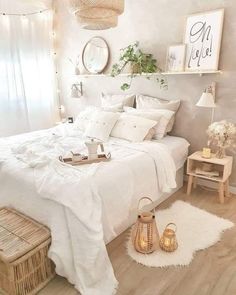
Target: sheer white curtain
[27,82]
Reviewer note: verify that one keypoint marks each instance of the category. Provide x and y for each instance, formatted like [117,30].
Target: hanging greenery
[140,63]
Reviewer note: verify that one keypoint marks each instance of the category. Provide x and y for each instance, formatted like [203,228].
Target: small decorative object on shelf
[222,135]
[168,241]
[139,62]
[145,236]
[175,58]
[207,167]
[76,65]
[206,153]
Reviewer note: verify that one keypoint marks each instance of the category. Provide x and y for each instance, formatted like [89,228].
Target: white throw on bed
[83,198]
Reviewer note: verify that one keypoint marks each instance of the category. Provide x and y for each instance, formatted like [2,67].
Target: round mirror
[95,55]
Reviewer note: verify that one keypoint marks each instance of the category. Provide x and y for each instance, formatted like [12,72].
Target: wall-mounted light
[207,99]
[77,90]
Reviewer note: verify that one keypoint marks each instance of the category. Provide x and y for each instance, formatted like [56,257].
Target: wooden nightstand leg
[227,192]
[221,192]
[190,182]
[194,182]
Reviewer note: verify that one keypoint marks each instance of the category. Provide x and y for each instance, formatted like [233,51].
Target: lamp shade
[97,23]
[97,14]
[206,100]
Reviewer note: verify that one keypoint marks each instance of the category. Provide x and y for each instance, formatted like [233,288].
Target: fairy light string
[25,14]
[53,35]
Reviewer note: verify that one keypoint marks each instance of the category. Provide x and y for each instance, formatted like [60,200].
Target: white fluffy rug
[196,230]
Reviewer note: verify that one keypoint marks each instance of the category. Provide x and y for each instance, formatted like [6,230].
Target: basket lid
[19,234]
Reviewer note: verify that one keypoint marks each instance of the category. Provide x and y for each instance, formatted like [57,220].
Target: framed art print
[175,58]
[203,40]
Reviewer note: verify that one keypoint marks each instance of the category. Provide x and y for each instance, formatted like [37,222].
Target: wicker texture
[97,7]
[97,24]
[145,236]
[24,265]
[97,14]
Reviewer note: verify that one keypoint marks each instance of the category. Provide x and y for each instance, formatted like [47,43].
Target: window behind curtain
[27,82]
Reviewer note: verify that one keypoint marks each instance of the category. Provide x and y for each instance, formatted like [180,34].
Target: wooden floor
[212,272]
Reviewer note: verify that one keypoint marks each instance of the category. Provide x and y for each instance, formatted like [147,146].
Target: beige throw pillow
[132,128]
[162,118]
[149,102]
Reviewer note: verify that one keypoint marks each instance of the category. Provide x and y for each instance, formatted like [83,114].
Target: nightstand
[198,167]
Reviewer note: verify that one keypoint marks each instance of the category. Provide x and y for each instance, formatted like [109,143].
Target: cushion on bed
[114,108]
[83,118]
[132,128]
[116,102]
[149,102]
[151,134]
[162,117]
[101,124]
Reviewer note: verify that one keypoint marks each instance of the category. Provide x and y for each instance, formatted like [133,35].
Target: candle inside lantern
[143,243]
[168,241]
[145,235]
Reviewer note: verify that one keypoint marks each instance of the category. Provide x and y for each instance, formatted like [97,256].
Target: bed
[67,199]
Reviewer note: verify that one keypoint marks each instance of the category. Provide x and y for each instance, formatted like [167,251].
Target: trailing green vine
[140,63]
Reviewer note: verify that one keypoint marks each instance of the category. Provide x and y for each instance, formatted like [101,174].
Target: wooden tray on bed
[101,158]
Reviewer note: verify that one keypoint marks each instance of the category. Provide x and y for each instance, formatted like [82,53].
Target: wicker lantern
[168,241]
[97,14]
[144,234]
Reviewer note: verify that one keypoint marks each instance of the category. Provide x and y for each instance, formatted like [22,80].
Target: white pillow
[82,120]
[149,102]
[101,124]
[162,117]
[132,128]
[150,134]
[117,101]
[114,108]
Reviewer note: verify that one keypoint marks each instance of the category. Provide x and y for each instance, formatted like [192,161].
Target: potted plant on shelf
[139,62]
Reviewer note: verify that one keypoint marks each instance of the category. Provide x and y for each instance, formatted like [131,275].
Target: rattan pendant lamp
[97,14]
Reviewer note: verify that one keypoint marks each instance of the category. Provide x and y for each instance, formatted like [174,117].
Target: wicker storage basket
[24,265]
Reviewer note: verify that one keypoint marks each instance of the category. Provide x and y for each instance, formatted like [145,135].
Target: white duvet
[82,205]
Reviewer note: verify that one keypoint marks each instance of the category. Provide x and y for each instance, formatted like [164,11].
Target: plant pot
[135,68]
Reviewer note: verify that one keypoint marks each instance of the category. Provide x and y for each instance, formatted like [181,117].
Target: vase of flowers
[222,135]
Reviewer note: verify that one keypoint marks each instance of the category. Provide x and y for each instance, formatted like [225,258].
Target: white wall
[156,24]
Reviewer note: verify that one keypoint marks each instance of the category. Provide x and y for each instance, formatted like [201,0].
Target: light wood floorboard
[212,272]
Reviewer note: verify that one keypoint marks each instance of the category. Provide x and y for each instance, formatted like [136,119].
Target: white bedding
[49,193]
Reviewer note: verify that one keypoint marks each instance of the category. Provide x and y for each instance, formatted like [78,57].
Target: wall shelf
[200,73]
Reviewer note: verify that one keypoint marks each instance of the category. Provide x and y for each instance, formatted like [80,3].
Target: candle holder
[168,241]
[145,236]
